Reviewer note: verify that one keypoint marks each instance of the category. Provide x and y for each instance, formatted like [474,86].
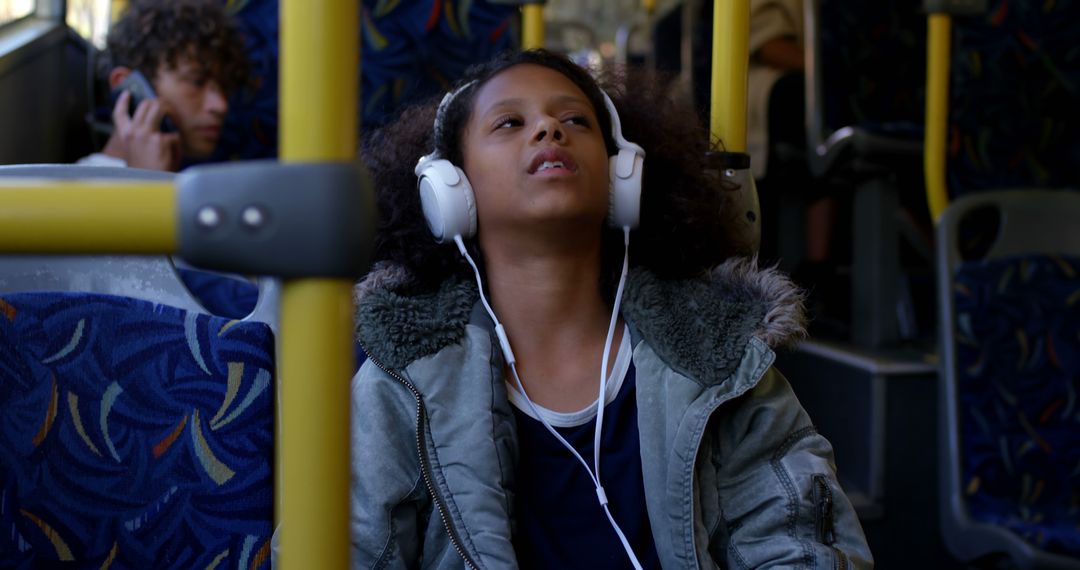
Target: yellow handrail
[730,55]
[939,29]
[45,216]
[319,55]
[532,24]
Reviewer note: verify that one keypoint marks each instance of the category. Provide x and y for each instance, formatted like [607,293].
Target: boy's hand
[144,145]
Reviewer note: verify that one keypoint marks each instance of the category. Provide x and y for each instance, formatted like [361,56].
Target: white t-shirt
[101,159]
[586,414]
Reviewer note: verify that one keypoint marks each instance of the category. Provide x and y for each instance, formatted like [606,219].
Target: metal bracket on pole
[734,167]
[284,220]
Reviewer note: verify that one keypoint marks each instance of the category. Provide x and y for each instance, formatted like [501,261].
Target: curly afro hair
[155,33]
[683,230]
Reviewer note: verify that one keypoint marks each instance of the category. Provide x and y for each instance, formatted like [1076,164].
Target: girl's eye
[507,123]
[581,120]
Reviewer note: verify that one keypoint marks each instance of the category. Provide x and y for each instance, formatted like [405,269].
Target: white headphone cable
[603,390]
[508,353]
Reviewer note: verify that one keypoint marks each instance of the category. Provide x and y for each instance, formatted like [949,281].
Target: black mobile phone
[140,89]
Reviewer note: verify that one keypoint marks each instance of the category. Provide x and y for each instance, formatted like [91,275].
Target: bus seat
[415,50]
[865,81]
[1014,82]
[137,428]
[1009,295]
[222,294]
[864,99]
[410,50]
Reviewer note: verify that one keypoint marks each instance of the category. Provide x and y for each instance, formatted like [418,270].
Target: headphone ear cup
[446,197]
[624,175]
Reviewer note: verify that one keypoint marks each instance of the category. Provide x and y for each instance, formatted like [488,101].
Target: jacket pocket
[824,519]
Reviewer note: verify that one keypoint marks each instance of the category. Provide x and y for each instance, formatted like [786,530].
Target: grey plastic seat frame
[1031,222]
[149,278]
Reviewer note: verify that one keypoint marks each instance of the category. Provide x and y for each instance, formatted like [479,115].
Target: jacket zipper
[697,447]
[425,468]
[697,450]
[825,521]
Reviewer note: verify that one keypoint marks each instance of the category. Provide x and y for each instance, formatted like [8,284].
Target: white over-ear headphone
[449,205]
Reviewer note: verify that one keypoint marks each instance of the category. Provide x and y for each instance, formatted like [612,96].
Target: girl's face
[534,152]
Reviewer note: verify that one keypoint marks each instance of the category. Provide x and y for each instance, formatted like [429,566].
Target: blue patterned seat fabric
[233,298]
[1018,337]
[221,295]
[1015,83]
[133,435]
[410,51]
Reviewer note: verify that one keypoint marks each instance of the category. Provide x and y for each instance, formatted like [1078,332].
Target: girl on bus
[569,364]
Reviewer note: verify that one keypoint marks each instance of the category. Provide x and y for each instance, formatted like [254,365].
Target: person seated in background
[776,125]
[776,139]
[192,55]
[775,108]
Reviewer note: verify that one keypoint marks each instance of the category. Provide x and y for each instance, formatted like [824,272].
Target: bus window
[90,18]
[11,10]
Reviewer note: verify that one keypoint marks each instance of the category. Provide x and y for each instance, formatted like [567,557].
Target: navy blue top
[560,523]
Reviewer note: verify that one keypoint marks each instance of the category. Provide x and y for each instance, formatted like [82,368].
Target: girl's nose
[546,127]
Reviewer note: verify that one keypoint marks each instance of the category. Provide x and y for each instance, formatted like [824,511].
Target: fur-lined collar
[699,327]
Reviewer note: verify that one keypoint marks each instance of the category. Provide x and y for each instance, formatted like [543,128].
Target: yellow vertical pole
[319,70]
[116,8]
[939,31]
[730,55]
[532,24]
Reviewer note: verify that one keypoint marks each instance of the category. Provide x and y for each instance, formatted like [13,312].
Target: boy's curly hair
[155,33]
[684,210]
